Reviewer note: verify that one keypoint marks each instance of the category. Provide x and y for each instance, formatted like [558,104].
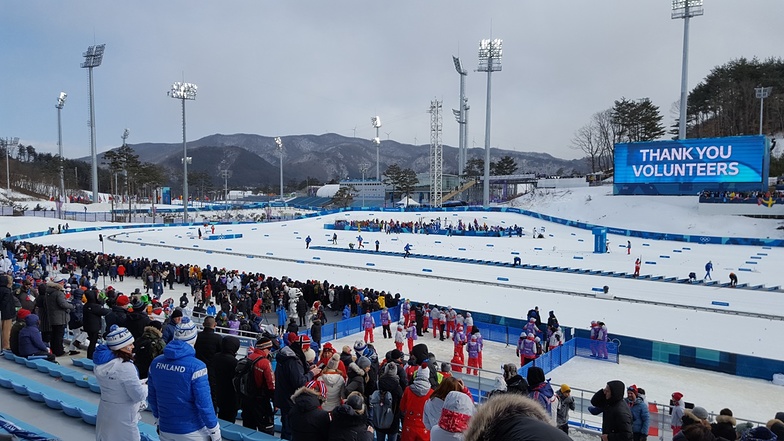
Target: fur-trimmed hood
[354,369]
[505,415]
[726,419]
[306,399]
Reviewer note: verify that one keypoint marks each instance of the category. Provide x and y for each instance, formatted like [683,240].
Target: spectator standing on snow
[628,247]
[708,269]
[637,264]
[368,324]
[385,321]
[307,242]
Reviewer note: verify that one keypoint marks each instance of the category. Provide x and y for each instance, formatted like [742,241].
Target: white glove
[215,433]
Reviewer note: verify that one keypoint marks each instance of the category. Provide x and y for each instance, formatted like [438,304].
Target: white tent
[407,202]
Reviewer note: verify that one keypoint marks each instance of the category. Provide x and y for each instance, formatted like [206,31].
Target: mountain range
[253,160]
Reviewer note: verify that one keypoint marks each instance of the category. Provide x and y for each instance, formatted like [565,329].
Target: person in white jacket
[122,393]
[457,411]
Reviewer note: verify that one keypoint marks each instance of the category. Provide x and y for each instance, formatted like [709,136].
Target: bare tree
[587,140]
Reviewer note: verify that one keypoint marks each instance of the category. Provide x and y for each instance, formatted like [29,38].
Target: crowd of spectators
[432,226]
[749,197]
[322,393]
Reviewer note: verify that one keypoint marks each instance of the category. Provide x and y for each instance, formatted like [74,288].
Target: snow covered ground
[278,249]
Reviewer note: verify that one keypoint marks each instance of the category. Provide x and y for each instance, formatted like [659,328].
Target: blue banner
[706,160]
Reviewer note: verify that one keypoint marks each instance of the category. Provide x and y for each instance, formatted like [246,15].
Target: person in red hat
[18,325]
[677,412]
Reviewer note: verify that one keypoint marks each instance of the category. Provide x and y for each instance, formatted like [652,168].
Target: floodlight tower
[762,93]
[59,106]
[9,143]
[685,9]
[376,121]
[279,144]
[490,52]
[184,91]
[461,118]
[93,58]
[436,154]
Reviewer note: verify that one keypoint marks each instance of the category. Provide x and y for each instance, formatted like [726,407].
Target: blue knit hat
[185,331]
[118,338]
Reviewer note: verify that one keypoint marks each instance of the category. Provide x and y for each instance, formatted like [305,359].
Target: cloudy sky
[311,67]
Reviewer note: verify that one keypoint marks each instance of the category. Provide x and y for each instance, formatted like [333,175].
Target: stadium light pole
[461,121]
[376,121]
[685,9]
[762,93]
[184,91]
[279,144]
[490,52]
[59,106]
[364,167]
[9,143]
[93,58]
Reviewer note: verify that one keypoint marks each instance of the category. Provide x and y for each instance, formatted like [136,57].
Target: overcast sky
[311,67]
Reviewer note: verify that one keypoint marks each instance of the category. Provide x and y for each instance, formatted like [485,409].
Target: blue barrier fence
[344,328]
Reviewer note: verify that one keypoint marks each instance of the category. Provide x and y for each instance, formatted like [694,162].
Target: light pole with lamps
[9,143]
[376,121]
[762,93]
[490,52]
[461,118]
[59,106]
[364,167]
[685,9]
[93,58]
[184,91]
[279,144]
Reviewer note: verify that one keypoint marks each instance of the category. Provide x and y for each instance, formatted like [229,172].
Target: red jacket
[412,408]
[262,372]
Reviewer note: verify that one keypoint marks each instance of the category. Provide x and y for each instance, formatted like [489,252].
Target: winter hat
[118,338]
[700,412]
[310,355]
[292,337]
[390,369]
[59,278]
[356,401]
[328,347]
[457,411]
[363,362]
[186,331]
[359,347]
[446,367]
[177,313]
[565,388]
[758,433]
[333,362]
[500,384]
[319,387]
[676,396]
[21,314]
[395,354]
[532,320]
[531,336]
[420,352]
[263,343]
[535,376]
[633,389]
[123,300]
[156,324]
[304,340]
[523,335]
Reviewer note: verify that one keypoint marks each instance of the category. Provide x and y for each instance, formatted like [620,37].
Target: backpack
[244,381]
[380,412]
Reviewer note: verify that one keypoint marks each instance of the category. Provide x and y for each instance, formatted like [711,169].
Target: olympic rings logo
[704,239]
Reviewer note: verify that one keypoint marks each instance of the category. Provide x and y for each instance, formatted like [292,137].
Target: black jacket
[616,415]
[724,427]
[347,425]
[308,421]
[208,343]
[7,309]
[117,316]
[315,333]
[92,314]
[136,322]
[391,384]
[222,373]
[290,375]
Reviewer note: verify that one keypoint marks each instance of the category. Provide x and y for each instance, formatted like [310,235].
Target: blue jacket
[179,391]
[640,416]
[346,313]
[168,332]
[30,341]
[542,393]
[283,317]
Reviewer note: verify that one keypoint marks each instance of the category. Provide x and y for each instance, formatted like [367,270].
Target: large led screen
[714,160]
